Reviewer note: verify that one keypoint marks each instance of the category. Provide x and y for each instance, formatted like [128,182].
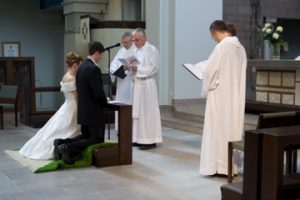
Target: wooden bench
[8,101]
[268,120]
[264,177]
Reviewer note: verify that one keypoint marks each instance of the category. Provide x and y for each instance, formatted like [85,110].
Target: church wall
[114,10]
[167,51]
[193,42]
[239,12]
[281,9]
[41,35]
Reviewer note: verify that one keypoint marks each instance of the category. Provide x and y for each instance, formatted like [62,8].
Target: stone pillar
[73,11]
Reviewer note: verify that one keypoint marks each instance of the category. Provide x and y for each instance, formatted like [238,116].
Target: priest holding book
[146,128]
[122,74]
[224,84]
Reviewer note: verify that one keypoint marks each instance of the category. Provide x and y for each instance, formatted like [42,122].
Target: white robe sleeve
[211,74]
[150,63]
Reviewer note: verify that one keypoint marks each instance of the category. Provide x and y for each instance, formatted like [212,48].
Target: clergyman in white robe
[124,86]
[146,127]
[224,83]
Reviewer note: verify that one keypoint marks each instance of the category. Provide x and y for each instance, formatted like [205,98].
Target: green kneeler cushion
[84,159]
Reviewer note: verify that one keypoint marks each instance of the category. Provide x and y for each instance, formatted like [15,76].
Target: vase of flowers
[273,35]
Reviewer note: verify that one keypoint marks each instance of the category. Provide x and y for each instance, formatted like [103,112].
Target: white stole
[136,98]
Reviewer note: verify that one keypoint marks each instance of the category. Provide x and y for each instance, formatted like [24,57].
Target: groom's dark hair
[95,46]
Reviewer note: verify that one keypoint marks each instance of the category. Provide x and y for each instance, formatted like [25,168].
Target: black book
[120,72]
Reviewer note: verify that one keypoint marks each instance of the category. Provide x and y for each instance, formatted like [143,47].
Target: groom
[91,103]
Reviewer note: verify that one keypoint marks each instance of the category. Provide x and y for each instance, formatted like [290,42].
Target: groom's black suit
[91,103]
[91,96]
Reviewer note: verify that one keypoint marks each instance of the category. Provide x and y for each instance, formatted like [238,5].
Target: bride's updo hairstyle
[72,58]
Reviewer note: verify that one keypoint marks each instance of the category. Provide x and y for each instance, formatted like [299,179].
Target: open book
[197,69]
[129,61]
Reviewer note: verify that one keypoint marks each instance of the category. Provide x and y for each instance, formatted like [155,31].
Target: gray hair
[127,35]
[139,30]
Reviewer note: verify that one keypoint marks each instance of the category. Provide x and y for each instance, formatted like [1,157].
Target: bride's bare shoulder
[67,78]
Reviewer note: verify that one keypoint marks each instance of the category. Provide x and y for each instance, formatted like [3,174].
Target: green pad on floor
[84,160]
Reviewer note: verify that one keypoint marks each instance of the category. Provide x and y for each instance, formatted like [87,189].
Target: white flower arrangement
[273,34]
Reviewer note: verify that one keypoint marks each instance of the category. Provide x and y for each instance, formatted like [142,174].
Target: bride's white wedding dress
[63,124]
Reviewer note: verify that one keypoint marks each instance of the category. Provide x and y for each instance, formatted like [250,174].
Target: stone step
[188,115]
[171,120]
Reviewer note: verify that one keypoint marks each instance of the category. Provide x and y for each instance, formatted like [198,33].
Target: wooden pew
[268,120]
[264,176]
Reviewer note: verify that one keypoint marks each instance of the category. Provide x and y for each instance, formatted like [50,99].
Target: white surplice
[224,83]
[124,86]
[146,127]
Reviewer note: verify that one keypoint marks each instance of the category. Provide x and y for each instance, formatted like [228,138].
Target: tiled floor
[167,172]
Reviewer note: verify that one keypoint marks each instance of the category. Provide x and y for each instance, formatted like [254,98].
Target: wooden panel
[118,24]
[124,139]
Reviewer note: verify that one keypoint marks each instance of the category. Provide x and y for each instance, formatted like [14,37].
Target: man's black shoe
[219,175]
[63,149]
[147,146]
[136,144]
[57,142]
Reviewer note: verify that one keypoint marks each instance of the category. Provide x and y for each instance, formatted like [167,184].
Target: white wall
[179,29]
[167,51]
[41,35]
[114,10]
[193,42]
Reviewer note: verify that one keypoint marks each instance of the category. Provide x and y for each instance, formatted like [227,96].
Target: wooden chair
[269,120]
[9,101]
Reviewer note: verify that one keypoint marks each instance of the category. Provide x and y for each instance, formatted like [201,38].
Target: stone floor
[167,172]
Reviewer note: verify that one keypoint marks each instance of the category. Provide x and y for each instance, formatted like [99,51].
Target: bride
[63,124]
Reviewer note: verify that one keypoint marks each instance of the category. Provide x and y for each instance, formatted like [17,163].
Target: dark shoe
[136,144]
[219,175]
[57,155]
[147,146]
[63,149]
[222,175]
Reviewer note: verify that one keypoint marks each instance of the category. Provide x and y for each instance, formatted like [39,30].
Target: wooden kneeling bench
[106,156]
[232,191]
[121,153]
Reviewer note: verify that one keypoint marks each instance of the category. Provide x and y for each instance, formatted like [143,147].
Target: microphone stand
[109,93]
[109,84]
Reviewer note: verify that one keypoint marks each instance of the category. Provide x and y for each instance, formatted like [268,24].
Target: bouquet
[273,34]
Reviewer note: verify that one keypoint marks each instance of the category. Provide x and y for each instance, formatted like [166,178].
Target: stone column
[73,11]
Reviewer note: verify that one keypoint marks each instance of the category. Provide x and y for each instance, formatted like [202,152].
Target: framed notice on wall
[11,49]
